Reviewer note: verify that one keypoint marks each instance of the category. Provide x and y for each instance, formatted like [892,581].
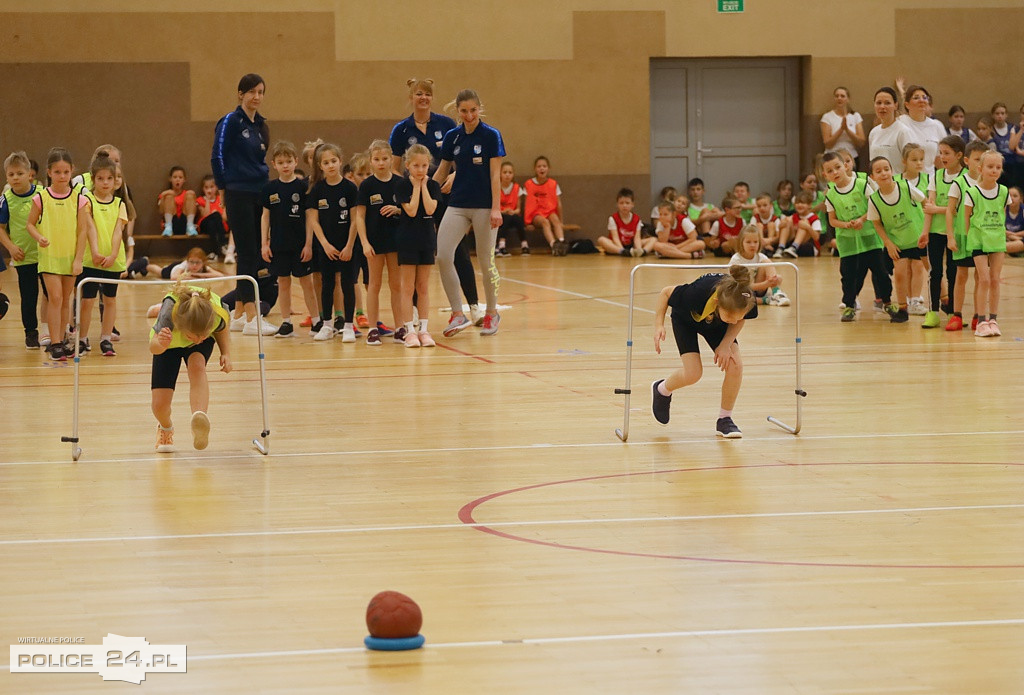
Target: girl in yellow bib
[57,222]
[190,320]
[107,216]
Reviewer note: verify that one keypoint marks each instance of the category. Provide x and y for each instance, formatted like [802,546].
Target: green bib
[988,221]
[178,338]
[959,235]
[19,206]
[942,200]
[903,220]
[105,216]
[849,206]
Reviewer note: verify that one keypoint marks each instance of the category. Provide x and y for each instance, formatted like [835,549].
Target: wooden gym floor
[880,551]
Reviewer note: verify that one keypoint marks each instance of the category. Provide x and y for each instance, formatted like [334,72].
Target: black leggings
[213,225]
[244,211]
[854,269]
[937,251]
[464,268]
[511,223]
[28,286]
[347,271]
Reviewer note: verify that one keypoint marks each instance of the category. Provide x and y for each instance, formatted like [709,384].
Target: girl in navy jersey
[1002,135]
[329,205]
[716,307]
[418,196]
[475,149]
[376,220]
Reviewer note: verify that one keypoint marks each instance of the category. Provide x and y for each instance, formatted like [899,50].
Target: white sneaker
[779,298]
[238,324]
[348,334]
[326,332]
[476,315]
[917,307]
[268,328]
[778,253]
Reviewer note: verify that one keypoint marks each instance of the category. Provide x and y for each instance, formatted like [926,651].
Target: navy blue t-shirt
[472,154]
[334,206]
[420,226]
[374,194]
[287,205]
[406,134]
[689,302]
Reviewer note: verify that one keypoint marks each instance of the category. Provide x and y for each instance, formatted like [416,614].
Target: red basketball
[392,615]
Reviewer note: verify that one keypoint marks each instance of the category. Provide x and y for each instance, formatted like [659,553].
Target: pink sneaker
[983,330]
[993,327]
[412,340]
[426,340]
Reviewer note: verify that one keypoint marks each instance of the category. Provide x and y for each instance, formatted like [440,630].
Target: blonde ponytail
[193,311]
[734,291]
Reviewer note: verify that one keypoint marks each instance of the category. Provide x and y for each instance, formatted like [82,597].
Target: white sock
[724,413]
[166,429]
[423,325]
[348,326]
[662,390]
[167,219]
[287,320]
[105,337]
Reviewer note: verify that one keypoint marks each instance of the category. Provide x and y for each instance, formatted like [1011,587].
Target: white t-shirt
[967,135]
[687,224]
[987,192]
[740,260]
[892,199]
[612,227]
[833,120]
[889,143]
[927,134]
[954,188]
[871,188]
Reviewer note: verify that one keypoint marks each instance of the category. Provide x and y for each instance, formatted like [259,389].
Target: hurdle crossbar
[626,390]
[262,446]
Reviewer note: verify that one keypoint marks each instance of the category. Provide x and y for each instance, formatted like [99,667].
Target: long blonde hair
[193,311]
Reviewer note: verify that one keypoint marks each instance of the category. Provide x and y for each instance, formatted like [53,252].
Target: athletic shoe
[229,258]
[107,348]
[325,332]
[696,255]
[57,352]
[411,339]
[983,330]
[426,340]
[947,308]
[83,346]
[373,337]
[899,316]
[778,253]
[791,252]
[476,315]
[993,327]
[399,335]
[455,324]
[931,320]
[348,335]
[167,231]
[200,430]
[502,252]
[955,323]
[362,321]
[779,298]
[307,322]
[524,250]
[44,339]
[115,334]
[287,330]
[725,427]
[265,327]
[5,304]
[626,252]
[660,405]
[892,309]
[237,325]
[191,230]
[164,440]
[212,256]
[635,252]
[917,307]
[880,306]
[31,339]
[849,314]
[490,326]
[974,323]
[384,330]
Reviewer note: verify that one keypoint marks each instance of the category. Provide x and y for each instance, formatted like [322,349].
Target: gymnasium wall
[569,80]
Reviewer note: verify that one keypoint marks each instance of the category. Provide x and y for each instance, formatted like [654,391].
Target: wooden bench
[537,240]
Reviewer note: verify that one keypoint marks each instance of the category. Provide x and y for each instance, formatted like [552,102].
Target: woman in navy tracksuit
[240,170]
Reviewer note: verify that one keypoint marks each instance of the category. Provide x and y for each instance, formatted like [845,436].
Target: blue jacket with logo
[239,156]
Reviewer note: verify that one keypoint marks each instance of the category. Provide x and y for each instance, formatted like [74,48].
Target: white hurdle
[623,433]
[263,447]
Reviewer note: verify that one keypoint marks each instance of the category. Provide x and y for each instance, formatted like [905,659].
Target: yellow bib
[105,217]
[178,339]
[59,224]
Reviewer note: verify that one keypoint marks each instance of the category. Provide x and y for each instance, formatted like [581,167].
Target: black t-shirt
[334,205]
[421,223]
[375,194]
[690,302]
[287,205]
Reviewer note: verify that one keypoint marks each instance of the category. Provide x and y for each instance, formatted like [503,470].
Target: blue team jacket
[239,157]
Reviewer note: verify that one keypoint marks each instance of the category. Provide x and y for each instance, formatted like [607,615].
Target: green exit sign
[730,5]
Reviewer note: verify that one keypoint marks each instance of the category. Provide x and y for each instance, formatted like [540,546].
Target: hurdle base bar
[263,447]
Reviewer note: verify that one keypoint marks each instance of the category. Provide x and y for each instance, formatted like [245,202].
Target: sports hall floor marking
[497,524]
[252,455]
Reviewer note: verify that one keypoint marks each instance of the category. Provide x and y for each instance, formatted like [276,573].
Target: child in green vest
[985,230]
[951,153]
[859,246]
[918,178]
[15,204]
[956,237]
[895,211]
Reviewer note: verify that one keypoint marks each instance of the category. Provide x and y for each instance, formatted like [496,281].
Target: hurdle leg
[76,450]
[264,446]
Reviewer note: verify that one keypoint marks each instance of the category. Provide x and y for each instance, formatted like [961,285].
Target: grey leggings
[454,226]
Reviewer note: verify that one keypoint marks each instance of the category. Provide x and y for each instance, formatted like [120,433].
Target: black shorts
[686,333]
[167,364]
[913,253]
[417,248]
[964,262]
[383,240]
[414,256]
[284,263]
[165,272]
[91,289]
[179,225]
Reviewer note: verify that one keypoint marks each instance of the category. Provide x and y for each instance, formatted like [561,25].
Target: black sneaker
[399,335]
[502,252]
[57,352]
[83,347]
[315,328]
[286,330]
[31,339]
[728,429]
[339,323]
[107,348]
[115,334]
[524,251]
[660,404]
[901,316]
[893,309]
[5,304]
